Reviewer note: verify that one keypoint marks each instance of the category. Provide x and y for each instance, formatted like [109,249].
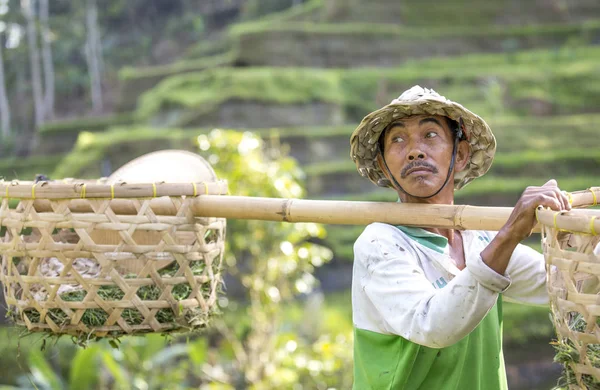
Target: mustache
[415,164]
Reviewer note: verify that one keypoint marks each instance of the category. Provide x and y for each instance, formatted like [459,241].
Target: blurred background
[86,86]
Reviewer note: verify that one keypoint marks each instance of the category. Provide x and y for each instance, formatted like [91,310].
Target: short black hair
[452,124]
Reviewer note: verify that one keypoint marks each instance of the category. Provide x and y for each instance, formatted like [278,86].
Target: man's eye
[431,134]
[397,139]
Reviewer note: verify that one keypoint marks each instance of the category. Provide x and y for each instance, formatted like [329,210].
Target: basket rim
[585,221]
[99,189]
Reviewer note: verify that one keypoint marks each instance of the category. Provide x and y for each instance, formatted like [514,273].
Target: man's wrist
[497,254]
[505,238]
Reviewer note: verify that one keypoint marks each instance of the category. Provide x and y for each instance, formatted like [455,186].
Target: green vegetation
[22,168]
[522,323]
[567,353]
[382,29]
[207,48]
[492,185]
[86,124]
[543,133]
[158,360]
[203,92]
[500,85]
[209,54]
[461,12]
[92,147]
[331,167]
[192,65]
[423,13]
[303,11]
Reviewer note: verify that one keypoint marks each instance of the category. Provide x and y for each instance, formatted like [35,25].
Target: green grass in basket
[566,353]
[98,317]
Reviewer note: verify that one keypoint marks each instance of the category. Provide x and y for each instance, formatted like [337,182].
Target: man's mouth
[420,168]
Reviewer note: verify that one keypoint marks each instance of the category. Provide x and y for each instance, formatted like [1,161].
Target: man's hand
[521,222]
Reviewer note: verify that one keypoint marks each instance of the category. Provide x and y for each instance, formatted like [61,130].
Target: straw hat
[422,101]
[172,166]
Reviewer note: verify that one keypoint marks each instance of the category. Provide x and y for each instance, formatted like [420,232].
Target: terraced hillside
[535,83]
[381,33]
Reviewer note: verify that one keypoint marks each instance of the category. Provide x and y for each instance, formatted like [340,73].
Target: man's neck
[444,197]
[450,234]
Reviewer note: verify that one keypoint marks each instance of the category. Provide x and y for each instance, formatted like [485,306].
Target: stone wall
[309,150]
[324,49]
[239,114]
[56,143]
[460,12]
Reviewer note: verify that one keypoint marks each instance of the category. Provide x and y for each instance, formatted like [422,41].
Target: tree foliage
[129,33]
[270,337]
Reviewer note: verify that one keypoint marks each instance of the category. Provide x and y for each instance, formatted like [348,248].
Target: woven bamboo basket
[109,258]
[570,244]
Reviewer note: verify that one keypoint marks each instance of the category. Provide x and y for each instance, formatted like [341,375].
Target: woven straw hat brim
[363,142]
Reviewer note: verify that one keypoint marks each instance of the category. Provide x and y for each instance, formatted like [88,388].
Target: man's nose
[416,154]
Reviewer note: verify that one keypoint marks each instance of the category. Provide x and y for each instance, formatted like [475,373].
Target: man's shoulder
[378,233]
[377,229]
[379,242]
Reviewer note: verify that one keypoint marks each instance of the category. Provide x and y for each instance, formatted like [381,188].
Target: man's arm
[527,272]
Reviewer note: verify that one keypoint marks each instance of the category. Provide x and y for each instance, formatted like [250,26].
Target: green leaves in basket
[97,317]
[567,354]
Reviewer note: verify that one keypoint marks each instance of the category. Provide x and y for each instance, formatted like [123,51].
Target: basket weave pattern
[144,257]
[573,276]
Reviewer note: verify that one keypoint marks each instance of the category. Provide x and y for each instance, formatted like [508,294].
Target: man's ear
[382,166]
[463,153]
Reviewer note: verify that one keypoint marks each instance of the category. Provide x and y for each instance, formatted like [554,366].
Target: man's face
[418,151]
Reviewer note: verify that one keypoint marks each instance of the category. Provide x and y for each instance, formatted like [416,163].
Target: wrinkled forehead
[418,121]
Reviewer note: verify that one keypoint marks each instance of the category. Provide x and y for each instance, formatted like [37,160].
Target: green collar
[426,238]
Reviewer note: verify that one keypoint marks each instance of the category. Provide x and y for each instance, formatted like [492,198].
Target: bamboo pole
[463,217]
[352,212]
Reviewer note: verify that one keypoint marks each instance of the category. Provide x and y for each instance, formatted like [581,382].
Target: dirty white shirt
[406,284]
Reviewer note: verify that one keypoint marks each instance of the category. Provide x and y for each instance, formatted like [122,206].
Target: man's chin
[419,186]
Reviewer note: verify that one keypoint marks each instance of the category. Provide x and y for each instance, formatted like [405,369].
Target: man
[427,305]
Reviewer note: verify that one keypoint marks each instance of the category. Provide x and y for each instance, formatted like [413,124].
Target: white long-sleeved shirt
[406,284]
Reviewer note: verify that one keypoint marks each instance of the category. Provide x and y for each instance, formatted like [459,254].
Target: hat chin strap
[398,186]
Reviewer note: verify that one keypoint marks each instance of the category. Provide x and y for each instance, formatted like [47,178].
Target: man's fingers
[562,198]
[551,202]
[568,203]
[550,189]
